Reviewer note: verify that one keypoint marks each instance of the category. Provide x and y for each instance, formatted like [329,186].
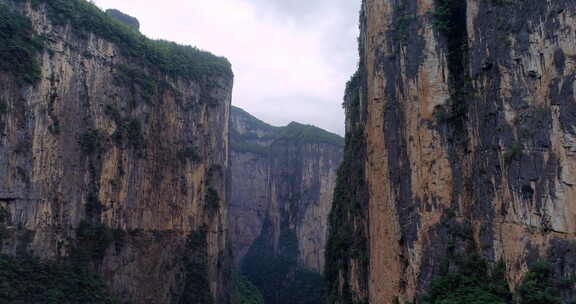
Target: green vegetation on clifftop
[309,133]
[250,141]
[126,19]
[19,46]
[164,56]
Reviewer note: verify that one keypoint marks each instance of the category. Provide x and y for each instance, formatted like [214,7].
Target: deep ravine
[126,176]
[282,181]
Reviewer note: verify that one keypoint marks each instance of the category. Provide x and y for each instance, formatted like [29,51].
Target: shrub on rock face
[473,283]
[28,280]
[538,286]
[244,292]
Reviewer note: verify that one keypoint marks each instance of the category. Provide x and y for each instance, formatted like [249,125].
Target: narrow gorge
[118,180]
[127,176]
[282,184]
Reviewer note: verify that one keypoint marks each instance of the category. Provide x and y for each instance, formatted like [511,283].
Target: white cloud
[291,58]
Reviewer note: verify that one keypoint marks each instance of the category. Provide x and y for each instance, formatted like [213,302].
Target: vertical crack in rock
[466,123]
[113,152]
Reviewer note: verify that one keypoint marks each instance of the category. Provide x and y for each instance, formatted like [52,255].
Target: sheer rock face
[80,149]
[284,182]
[462,117]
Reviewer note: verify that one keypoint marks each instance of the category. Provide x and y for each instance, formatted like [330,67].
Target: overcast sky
[291,58]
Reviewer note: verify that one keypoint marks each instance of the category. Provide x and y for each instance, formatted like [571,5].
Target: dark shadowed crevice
[347,249]
[449,19]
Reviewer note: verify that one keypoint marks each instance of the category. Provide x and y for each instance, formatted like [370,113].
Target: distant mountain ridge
[254,135]
[282,184]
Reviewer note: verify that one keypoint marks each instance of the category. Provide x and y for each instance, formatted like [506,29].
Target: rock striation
[113,153]
[282,184]
[460,136]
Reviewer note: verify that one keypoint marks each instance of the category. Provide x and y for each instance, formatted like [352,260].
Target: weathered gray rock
[117,163]
[462,113]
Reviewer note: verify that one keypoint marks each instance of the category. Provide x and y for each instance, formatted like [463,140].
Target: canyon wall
[112,153]
[282,184]
[460,137]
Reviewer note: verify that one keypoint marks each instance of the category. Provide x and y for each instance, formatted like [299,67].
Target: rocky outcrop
[460,127]
[113,153]
[282,184]
[124,18]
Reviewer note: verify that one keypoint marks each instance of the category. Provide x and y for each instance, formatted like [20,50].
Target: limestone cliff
[460,136]
[113,152]
[282,184]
